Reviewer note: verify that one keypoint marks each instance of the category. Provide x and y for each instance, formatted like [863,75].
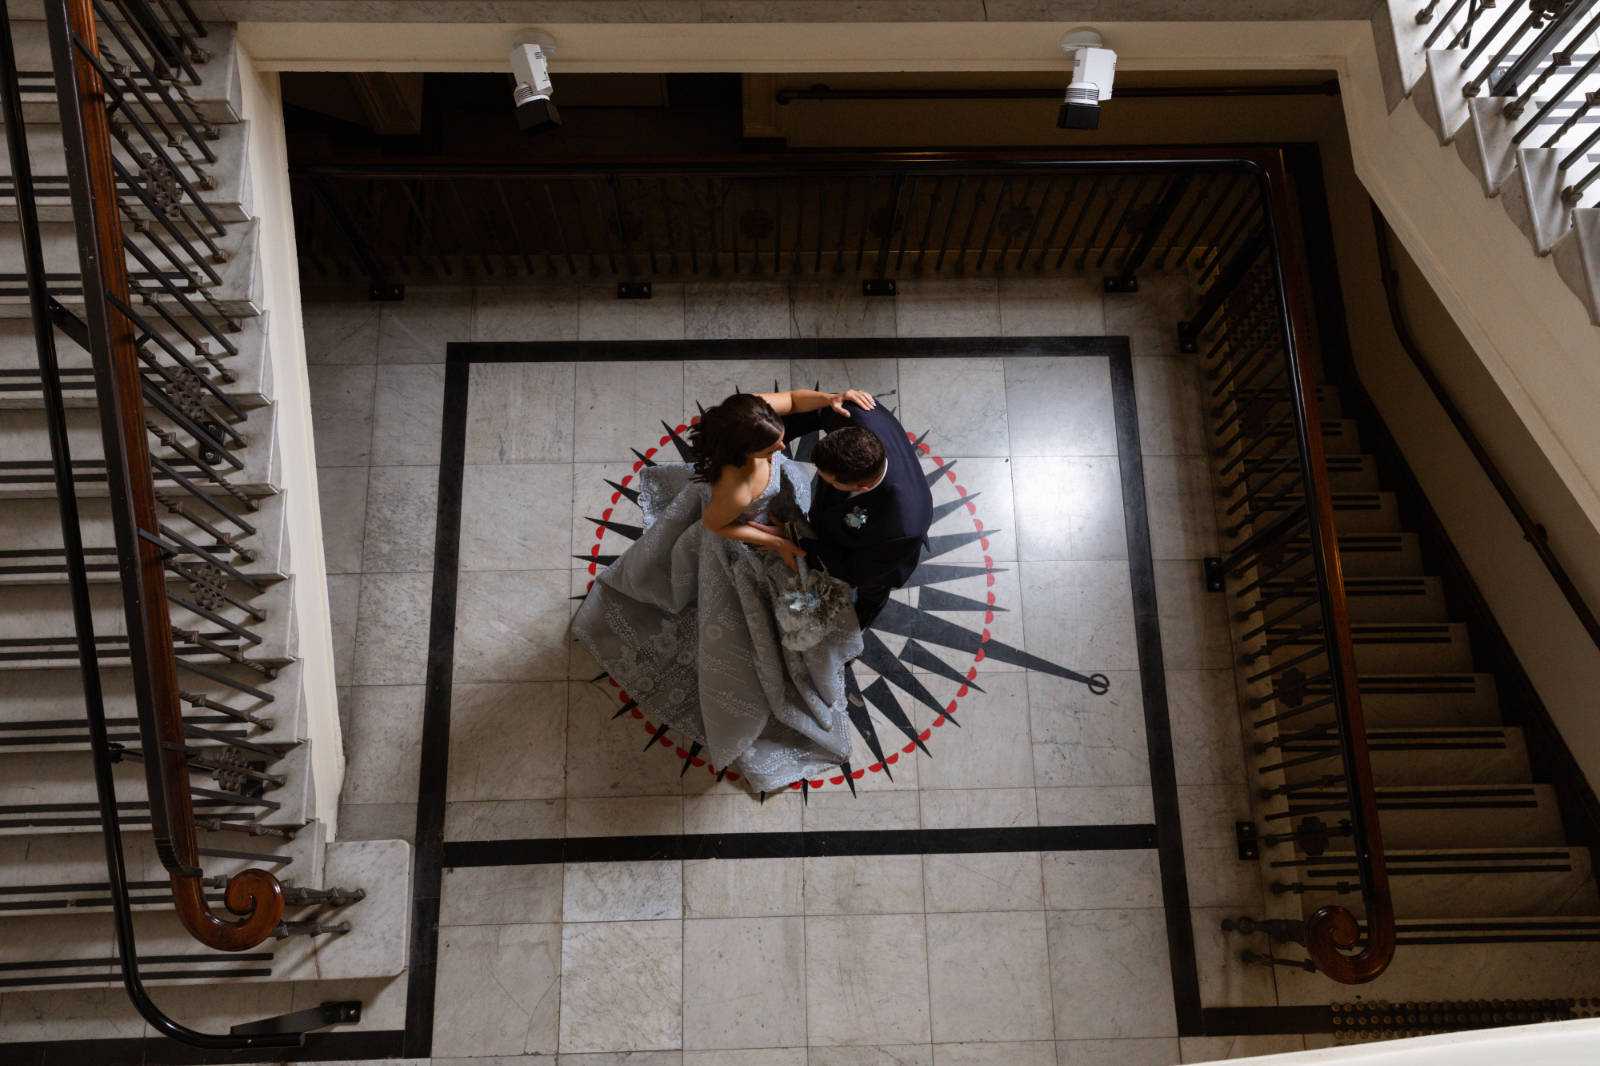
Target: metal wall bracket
[1188,339]
[1244,835]
[387,293]
[633,290]
[1213,572]
[878,287]
[1114,284]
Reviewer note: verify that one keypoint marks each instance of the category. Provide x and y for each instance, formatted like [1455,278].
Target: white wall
[297,469]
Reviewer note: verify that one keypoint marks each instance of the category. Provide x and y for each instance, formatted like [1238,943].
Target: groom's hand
[861,399]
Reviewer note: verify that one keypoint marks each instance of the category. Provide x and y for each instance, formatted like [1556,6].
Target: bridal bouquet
[811,604]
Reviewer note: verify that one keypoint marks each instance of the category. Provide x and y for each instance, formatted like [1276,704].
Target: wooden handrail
[1332,930]
[254,898]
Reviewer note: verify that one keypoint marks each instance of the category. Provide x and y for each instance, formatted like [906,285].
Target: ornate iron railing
[174,462]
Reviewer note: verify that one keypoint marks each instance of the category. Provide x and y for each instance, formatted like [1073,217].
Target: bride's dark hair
[730,432]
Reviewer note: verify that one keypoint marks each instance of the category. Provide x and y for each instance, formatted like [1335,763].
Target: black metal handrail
[1533,531]
[161,417]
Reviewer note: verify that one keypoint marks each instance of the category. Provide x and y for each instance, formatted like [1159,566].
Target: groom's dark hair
[850,454]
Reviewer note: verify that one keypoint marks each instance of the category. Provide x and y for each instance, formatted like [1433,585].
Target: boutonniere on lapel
[855,518]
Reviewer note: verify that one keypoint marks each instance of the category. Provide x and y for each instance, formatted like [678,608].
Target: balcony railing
[171,441]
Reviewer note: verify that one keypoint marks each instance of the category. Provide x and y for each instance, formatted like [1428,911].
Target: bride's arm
[721,517]
[799,401]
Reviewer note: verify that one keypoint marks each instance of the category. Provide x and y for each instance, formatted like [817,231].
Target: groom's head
[850,458]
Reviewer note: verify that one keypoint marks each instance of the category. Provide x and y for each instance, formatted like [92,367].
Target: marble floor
[961,955]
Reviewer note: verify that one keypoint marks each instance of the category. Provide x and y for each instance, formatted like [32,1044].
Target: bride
[686,619]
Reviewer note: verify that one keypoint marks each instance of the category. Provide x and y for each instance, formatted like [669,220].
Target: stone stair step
[1459,883]
[248,363]
[217,96]
[1577,257]
[1421,699]
[1457,959]
[1347,472]
[1353,512]
[1370,599]
[1450,816]
[1373,554]
[221,185]
[1386,647]
[1462,754]
[239,293]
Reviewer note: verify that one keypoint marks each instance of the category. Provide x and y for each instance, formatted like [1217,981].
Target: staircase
[1517,94]
[1492,898]
[206,362]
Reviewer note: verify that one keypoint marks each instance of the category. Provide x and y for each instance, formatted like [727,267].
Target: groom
[872,508]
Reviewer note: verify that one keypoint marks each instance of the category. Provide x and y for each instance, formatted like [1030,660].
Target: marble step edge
[218,96]
[249,362]
[1577,257]
[226,182]
[376,944]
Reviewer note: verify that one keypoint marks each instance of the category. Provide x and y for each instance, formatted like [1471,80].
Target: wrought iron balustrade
[164,498]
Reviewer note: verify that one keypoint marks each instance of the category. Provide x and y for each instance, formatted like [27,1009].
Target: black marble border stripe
[427,877]
[780,349]
[799,845]
[1153,680]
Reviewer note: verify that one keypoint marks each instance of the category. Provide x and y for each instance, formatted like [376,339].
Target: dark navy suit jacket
[884,549]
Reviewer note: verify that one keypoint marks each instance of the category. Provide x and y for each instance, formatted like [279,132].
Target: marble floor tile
[991,748]
[498,990]
[872,1055]
[1126,1052]
[877,376]
[1181,503]
[1109,973]
[621,405]
[1060,406]
[620,816]
[612,1058]
[1171,416]
[1084,739]
[606,758]
[504,820]
[342,497]
[1009,1053]
[987,881]
[1090,880]
[737,310]
[1218,878]
[402,504]
[1219,1048]
[1080,614]
[377,821]
[959,403]
[1069,508]
[343,332]
[418,328]
[623,891]
[772,1056]
[1066,306]
[989,486]
[839,811]
[743,980]
[707,382]
[724,813]
[514,516]
[408,415]
[392,629]
[603,317]
[508,741]
[1194,622]
[520,413]
[341,413]
[1204,711]
[520,313]
[743,888]
[867,980]
[1007,626]
[947,307]
[382,742]
[501,895]
[836,308]
[989,977]
[344,599]
[967,808]
[1208,813]
[621,986]
[1226,980]
[1149,318]
[1096,805]
[863,884]
[591,497]
[512,626]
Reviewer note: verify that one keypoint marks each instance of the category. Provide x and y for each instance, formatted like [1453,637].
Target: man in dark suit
[871,507]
